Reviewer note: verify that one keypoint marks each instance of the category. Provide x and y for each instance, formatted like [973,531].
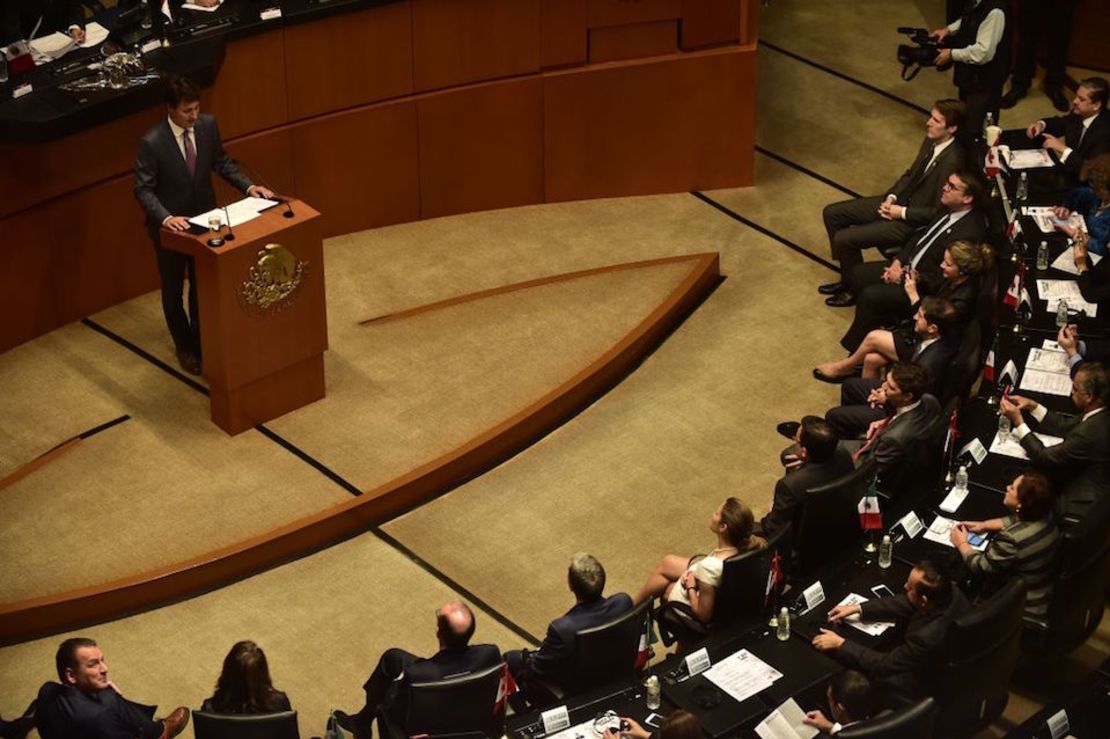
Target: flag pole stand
[871,547]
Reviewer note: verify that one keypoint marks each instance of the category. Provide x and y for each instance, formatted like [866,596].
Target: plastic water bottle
[1062,313]
[652,692]
[782,630]
[886,552]
[961,477]
[988,121]
[1042,256]
[1022,189]
[1003,427]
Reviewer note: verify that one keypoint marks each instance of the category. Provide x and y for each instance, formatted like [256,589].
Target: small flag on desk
[505,688]
[988,368]
[643,651]
[1025,299]
[774,579]
[1013,292]
[870,517]
[1013,230]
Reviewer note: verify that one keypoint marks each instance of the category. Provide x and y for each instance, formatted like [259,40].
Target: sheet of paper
[1049,383]
[1051,346]
[939,529]
[742,675]
[1011,447]
[53,45]
[814,596]
[1029,159]
[201,8]
[871,628]
[1047,221]
[241,211]
[1074,304]
[94,35]
[1046,360]
[953,500]
[1053,289]
[911,524]
[786,722]
[1066,263]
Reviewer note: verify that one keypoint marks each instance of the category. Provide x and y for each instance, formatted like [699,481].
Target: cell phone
[882,591]
[654,720]
[974,539]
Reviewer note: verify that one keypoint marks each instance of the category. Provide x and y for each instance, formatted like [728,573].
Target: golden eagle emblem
[273,283]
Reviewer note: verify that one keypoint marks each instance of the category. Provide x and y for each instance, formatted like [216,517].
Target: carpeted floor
[632,477]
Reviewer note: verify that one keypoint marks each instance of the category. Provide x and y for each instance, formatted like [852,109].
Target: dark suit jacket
[550,659]
[163,185]
[1096,141]
[919,188]
[971,228]
[443,664]
[1080,464]
[18,18]
[901,452]
[791,488]
[64,712]
[908,671]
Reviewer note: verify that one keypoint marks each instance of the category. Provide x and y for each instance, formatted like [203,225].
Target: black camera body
[922,54]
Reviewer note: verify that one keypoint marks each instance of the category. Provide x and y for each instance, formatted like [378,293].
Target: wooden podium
[263,317]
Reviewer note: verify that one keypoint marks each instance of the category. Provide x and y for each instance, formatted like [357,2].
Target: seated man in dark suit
[397,669]
[1082,134]
[20,18]
[817,458]
[86,705]
[926,612]
[851,701]
[912,201]
[586,579]
[1080,464]
[933,344]
[898,442]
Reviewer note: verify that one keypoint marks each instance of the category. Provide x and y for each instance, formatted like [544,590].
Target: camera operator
[978,43]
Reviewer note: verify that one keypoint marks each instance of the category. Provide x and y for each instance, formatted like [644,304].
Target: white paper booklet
[871,628]
[786,722]
[1011,447]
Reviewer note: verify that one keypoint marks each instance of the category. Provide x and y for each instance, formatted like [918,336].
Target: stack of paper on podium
[238,212]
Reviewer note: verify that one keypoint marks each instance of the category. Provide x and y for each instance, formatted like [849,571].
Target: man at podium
[173,182]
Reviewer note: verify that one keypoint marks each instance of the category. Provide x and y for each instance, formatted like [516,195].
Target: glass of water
[215,222]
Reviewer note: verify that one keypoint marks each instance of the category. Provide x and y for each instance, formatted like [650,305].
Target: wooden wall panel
[749,16]
[349,59]
[613,43]
[266,158]
[1089,46]
[461,41]
[619,130]
[359,168]
[26,295]
[710,22]
[624,12]
[249,94]
[563,32]
[481,147]
[34,173]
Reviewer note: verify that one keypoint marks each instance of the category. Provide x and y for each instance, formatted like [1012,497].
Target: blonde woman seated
[694,581]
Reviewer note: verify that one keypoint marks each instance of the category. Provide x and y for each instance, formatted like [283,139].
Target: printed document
[742,675]
[786,722]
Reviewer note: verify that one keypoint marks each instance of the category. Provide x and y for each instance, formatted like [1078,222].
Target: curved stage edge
[47,615]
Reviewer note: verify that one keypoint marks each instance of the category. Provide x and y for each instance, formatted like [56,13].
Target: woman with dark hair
[679,724]
[1092,201]
[1023,543]
[244,685]
[694,581]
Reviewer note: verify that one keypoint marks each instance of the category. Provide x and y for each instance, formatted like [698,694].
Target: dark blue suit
[64,712]
[164,187]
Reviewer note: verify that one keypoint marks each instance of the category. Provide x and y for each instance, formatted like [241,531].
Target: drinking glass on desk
[215,222]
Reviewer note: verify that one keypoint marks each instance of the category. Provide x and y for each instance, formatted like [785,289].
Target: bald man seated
[397,669]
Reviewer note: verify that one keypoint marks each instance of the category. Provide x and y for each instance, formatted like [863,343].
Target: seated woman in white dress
[694,581]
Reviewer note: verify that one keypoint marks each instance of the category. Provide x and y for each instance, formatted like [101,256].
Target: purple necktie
[190,152]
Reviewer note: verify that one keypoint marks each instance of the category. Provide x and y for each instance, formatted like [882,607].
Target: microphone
[230,232]
[280,198]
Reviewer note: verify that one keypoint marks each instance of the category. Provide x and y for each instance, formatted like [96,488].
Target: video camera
[924,54]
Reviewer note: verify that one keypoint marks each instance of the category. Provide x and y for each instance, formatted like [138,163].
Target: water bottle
[1003,427]
[1062,313]
[961,478]
[652,692]
[1042,256]
[886,552]
[782,630]
[1022,189]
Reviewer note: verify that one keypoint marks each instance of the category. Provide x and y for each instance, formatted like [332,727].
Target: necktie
[928,239]
[1082,133]
[876,432]
[190,152]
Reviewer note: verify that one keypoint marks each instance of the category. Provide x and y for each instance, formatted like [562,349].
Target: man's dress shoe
[175,723]
[841,300]
[789,429]
[831,288]
[1059,100]
[1010,99]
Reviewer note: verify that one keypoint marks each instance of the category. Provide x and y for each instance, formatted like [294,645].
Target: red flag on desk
[1013,293]
[870,517]
[988,368]
[774,579]
[505,688]
[643,651]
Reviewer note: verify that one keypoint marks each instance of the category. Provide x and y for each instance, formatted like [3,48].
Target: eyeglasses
[957,187]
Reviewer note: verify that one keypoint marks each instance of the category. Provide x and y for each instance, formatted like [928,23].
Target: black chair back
[606,653]
[744,581]
[455,706]
[254,726]
[965,367]
[829,520]
[912,722]
[983,649]
[1079,590]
